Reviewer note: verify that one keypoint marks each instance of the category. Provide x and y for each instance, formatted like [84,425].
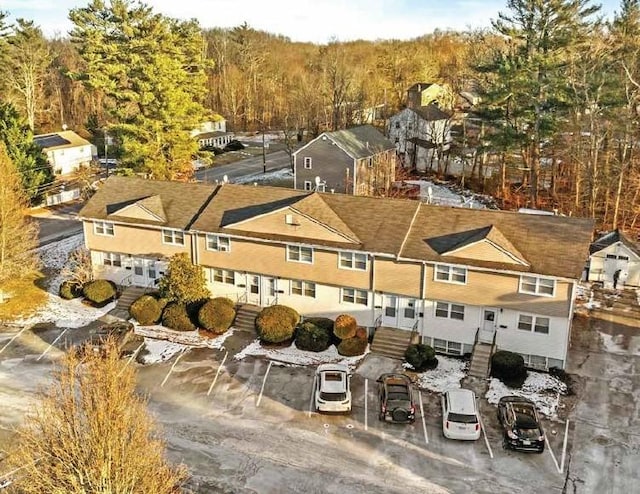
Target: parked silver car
[460,418]
[333,388]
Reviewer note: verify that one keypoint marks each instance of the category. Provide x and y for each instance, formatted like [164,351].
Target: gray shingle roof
[431,113]
[361,142]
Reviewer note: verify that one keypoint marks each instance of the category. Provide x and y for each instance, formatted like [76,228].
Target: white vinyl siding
[297,253]
[103,228]
[450,274]
[537,286]
[173,237]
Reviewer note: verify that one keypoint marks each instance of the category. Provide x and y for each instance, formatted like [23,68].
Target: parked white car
[460,417]
[333,388]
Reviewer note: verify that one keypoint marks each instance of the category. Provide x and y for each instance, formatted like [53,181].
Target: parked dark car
[396,399]
[520,424]
[234,145]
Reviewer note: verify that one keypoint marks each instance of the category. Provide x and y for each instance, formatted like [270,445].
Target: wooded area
[560,92]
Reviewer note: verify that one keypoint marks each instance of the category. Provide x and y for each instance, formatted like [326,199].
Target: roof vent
[289,220]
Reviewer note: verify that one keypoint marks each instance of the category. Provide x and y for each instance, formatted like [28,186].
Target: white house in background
[213,133]
[613,252]
[66,151]
[421,134]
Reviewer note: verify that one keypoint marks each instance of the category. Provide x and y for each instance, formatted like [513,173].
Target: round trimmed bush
[175,316]
[312,338]
[146,310]
[361,333]
[421,357]
[99,291]
[277,323]
[217,314]
[70,289]
[351,347]
[345,326]
[321,322]
[509,368]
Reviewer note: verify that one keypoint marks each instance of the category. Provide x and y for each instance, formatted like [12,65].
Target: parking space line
[313,393]
[484,434]
[51,344]
[564,445]
[215,379]
[553,457]
[424,424]
[366,408]
[264,381]
[14,337]
[131,357]
[172,367]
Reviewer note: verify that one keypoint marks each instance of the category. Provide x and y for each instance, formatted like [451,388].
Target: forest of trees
[560,91]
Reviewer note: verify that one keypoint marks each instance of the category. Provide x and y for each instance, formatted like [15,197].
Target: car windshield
[333,396]
[333,376]
[462,418]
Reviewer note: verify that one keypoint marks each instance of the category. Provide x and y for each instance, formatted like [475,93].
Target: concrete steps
[246,317]
[480,360]
[130,295]
[391,342]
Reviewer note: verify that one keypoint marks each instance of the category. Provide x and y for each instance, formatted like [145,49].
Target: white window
[297,253]
[103,228]
[173,237]
[444,346]
[222,276]
[353,296]
[303,288]
[111,259]
[218,243]
[450,311]
[307,162]
[533,323]
[537,286]
[353,260]
[308,185]
[451,274]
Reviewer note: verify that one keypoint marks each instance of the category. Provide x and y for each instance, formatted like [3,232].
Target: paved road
[250,166]
[58,223]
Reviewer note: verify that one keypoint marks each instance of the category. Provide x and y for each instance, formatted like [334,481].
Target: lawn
[26,296]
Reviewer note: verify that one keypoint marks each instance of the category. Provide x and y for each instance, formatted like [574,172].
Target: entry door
[139,275]
[489,324]
[407,312]
[268,291]
[253,289]
[390,311]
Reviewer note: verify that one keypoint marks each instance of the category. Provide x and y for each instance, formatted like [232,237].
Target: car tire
[540,451]
[381,417]
[400,415]
[505,444]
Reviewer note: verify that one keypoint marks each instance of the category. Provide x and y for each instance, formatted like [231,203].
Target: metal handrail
[414,330]
[378,322]
[475,340]
[242,298]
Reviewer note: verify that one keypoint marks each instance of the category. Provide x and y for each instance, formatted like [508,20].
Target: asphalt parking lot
[248,426]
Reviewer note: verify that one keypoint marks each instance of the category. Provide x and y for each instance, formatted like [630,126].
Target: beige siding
[398,278]
[499,290]
[302,227]
[136,212]
[262,258]
[134,239]
[484,251]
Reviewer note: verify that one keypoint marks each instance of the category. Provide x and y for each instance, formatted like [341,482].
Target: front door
[139,277]
[489,324]
[268,291]
[253,289]
[390,311]
[407,312]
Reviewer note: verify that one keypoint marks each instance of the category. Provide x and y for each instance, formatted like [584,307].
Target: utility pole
[264,154]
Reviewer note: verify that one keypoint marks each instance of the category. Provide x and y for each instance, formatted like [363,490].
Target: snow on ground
[445,196]
[159,350]
[283,174]
[621,344]
[54,256]
[291,355]
[446,376]
[188,338]
[543,389]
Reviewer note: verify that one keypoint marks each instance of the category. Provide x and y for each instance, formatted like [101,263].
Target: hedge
[70,289]
[312,338]
[217,314]
[509,368]
[99,291]
[276,324]
[421,357]
[175,316]
[351,347]
[146,310]
[345,326]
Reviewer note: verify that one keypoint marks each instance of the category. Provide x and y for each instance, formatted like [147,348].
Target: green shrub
[345,326]
[351,347]
[175,316]
[509,368]
[276,324]
[146,310]
[312,338]
[321,322]
[70,289]
[217,314]
[421,357]
[99,291]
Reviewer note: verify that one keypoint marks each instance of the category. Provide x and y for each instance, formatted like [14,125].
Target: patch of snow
[54,256]
[66,313]
[188,338]
[291,355]
[445,195]
[543,389]
[261,177]
[159,350]
[621,344]
[446,376]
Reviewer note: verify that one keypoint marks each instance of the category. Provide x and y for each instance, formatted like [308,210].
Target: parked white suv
[333,388]
[460,417]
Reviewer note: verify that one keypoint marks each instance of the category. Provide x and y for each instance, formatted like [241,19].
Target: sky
[317,21]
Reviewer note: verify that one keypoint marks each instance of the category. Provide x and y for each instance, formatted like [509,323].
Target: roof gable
[360,142]
[612,238]
[147,209]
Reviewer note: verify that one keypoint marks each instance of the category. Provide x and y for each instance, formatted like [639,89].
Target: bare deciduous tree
[78,266]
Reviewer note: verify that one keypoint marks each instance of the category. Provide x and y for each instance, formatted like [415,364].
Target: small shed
[614,253]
